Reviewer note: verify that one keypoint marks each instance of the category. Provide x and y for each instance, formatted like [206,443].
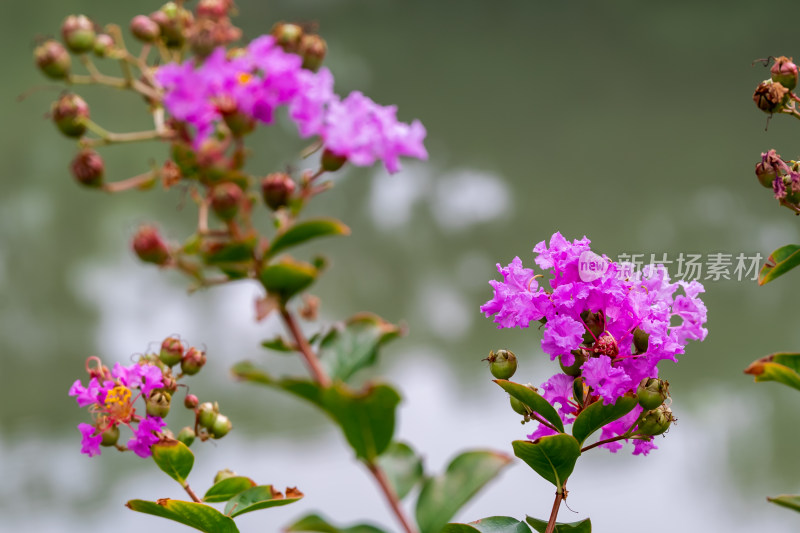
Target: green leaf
[196,515]
[260,497]
[493,524]
[228,488]
[598,415]
[279,344]
[779,262]
[442,496]
[582,526]
[367,417]
[235,252]
[791,501]
[402,467]
[552,457]
[534,401]
[305,231]
[287,277]
[316,524]
[174,458]
[783,367]
[345,351]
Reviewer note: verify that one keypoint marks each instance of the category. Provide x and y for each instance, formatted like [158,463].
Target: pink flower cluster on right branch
[609,328]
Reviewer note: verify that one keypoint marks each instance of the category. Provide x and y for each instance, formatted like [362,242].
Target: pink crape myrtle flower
[596,316]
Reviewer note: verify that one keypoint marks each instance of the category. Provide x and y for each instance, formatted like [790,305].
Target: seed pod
[502,364]
[652,392]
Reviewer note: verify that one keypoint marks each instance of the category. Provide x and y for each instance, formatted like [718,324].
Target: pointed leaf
[196,515]
[235,252]
[305,231]
[402,467]
[260,497]
[493,524]
[787,500]
[534,401]
[442,496]
[174,458]
[316,524]
[345,351]
[552,457]
[279,344]
[228,488]
[781,367]
[598,415]
[304,389]
[779,263]
[287,277]
[582,526]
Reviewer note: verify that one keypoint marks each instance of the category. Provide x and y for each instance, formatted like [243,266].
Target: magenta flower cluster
[621,299]
[262,78]
[110,397]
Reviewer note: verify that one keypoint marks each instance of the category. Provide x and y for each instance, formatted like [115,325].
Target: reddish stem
[305,349]
[391,497]
[551,524]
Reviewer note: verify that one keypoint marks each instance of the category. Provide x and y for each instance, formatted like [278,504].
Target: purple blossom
[90,443]
[93,394]
[145,377]
[615,301]
[144,435]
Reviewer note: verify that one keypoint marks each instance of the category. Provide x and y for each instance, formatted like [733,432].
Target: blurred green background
[629,122]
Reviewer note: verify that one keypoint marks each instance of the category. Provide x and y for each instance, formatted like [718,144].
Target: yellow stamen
[244,77]
[119,395]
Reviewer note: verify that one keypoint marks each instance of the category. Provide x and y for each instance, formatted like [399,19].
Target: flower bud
[193,360]
[110,436]
[518,406]
[52,59]
[78,33]
[221,426]
[207,413]
[579,389]
[312,50]
[191,401]
[70,113]
[652,392]
[174,22]
[211,159]
[171,351]
[225,200]
[606,345]
[502,364]
[103,45]
[770,96]
[224,474]
[149,246]
[574,369]
[186,436]
[287,36]
[88,168]
[784,71]
[656,421]
[641,340]
[145,29]
[331,162]
[239,123]
[766,173]
[158,403]
[277,188]
[213,9]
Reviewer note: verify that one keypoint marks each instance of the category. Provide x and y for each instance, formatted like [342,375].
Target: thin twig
[305,349]
[551,524]
[131,183]
[391,496]
[190,492]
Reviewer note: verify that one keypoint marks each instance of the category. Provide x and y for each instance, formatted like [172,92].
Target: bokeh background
[629,122]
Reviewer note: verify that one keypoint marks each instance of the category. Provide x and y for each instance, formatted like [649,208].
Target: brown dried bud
[145,29]
[225,200]
[88,168]
[769,168]
[53,59]
[287,36]
[149,246]
[312,50]
[770,96]
[170,174]
[70,113]
[784,71]
[78,33]
[277,189]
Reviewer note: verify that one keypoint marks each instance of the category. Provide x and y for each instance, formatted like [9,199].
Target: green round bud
[70,113]
[574,369]
[656,421]
[103,45]
[502,364]
[220,427]
[207,413]
[287,36]
[171,351]
[518,406]
[158,403]
[652,392]
[784,71]
[640,340]
[223,474]
[52,59]
[277,189]
[193,360]
[110,436]
[312,49]
[225,200]
[78,33]
[186,436]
